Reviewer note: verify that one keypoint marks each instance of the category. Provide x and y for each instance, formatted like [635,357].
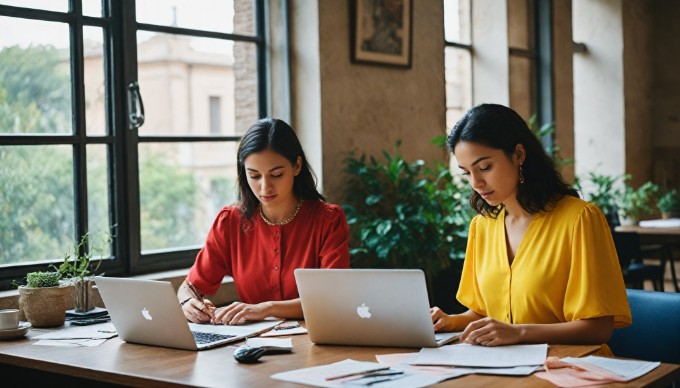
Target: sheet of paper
[668,223]
[628,369]
[318,376]
[285,328]
[483,357]
[98,331]
[70,342]
[402,361]
[279,343]
[243,329]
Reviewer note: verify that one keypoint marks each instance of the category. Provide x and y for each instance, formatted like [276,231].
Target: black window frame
[120,67]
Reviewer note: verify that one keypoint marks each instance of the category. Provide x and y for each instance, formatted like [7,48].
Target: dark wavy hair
[276,135]
[500,127]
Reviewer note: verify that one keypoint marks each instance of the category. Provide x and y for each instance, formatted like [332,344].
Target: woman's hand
[441,321]
[199,312]
[239,312]
[490,332]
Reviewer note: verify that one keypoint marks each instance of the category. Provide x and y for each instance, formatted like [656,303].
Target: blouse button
[276,268]
[276,250]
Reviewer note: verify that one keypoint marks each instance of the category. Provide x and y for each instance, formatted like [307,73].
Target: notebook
[375,307]
[147,312]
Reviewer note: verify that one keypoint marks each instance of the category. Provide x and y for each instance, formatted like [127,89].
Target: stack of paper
[592,370]
[484,357]
[669,223]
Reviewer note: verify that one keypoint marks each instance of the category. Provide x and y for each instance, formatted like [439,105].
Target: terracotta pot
[44,306]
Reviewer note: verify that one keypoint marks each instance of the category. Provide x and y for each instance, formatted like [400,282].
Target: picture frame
[381,32]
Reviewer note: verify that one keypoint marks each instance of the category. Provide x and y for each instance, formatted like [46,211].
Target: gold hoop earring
[521,174]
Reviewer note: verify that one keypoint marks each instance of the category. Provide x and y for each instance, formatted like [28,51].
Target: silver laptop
[376,307]
[147,312]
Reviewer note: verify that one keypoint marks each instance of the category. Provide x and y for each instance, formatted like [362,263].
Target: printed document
[483,357]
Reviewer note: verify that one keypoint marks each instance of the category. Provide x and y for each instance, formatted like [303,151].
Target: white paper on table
[667,223]
[318,375]
[628,369]
[483,357]
[402,361]
[90,332]
[278,343]
[285,328]
[70,342]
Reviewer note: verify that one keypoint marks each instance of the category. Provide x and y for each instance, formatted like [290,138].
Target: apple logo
[363,311]
[146,314]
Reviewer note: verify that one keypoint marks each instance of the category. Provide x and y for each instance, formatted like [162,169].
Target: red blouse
[262,258]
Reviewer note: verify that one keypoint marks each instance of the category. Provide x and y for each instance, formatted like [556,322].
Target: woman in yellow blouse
[540,265]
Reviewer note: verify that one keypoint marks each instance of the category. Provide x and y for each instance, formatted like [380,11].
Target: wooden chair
[635,271]
[654,334]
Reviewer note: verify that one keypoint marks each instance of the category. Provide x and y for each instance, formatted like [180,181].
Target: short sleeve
[469,294]
[595,287]
[213,261]
[335,248]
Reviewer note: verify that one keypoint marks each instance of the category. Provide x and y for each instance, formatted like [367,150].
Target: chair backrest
[655,332]
[627,247]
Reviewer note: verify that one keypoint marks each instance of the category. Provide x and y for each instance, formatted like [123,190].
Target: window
[457,59]
[522,59]
[73,160]
[215,115]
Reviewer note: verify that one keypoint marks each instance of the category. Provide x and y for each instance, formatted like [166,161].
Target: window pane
[36,202]
[92,8]
[458,74]
[522,85]
[229,16]
[182,187]
[177,77]
[49,5]
[457,21]
[95,91]
[98,205]
[35,79]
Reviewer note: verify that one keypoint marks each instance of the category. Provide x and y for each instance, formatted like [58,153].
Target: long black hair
[276,135]
[500,127]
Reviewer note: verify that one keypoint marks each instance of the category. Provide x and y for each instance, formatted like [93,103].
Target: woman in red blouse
[280,223]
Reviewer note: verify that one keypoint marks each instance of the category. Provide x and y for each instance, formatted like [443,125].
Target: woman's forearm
[285,309]
[582,332]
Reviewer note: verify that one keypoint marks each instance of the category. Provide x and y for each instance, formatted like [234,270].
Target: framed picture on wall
[381,32]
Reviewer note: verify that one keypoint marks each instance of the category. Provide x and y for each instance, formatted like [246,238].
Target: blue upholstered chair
[655,332]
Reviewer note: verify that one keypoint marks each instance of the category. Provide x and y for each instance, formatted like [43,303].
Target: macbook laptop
[376,307]
[147,312]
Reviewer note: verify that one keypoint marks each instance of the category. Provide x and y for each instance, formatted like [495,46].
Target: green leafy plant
[78,258]
[42,279]
[636,203]
[403,214]
[604,192]
[669,202]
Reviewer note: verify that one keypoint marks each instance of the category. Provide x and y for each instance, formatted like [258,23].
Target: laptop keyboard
[206,338]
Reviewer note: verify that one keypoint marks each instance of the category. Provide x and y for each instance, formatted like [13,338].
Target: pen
[287,327]
[198,297]
[357,373]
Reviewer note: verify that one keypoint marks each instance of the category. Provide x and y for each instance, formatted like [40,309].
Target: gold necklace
[284,222]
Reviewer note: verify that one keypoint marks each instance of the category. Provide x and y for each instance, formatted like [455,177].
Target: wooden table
[670,237]
[117,362]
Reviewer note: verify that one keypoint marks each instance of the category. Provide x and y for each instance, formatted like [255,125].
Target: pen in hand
[198,297]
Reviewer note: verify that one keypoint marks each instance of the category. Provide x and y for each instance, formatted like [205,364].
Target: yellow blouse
[565,269]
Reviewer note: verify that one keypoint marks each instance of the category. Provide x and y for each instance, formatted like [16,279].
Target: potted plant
[76,268]
[603,192]
[669,204]
[636,203]
[405,215]
[43,299]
